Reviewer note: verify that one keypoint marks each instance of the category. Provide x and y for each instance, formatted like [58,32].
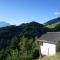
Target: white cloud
[56,13]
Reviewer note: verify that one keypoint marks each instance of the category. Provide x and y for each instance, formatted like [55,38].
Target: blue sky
[23,11]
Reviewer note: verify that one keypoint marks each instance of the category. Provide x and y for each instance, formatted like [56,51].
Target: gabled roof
[50,36]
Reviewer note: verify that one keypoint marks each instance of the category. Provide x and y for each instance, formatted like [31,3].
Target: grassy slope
[53,25]
[56,57]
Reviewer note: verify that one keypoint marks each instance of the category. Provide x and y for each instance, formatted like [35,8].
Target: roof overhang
[47,41]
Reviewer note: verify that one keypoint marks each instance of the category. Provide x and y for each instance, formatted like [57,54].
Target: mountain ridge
[52,23]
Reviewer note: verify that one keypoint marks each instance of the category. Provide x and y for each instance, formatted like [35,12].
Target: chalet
[48,43]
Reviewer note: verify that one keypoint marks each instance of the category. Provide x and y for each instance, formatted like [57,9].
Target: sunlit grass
[56,57]
[53,25]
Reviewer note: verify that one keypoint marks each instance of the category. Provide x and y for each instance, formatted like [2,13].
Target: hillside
[20,42]
[52,23]
[29,30]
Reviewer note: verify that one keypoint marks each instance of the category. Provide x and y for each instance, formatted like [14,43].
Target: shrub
[58,46]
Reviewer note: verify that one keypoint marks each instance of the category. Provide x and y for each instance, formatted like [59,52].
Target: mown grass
[56,57]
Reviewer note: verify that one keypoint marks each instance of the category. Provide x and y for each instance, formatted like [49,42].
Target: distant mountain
[33,29]
[52,23]
[4,24]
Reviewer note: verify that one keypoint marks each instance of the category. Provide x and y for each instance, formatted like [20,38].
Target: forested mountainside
[20,42]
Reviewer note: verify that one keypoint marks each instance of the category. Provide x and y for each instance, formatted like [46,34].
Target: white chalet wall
[48,49]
